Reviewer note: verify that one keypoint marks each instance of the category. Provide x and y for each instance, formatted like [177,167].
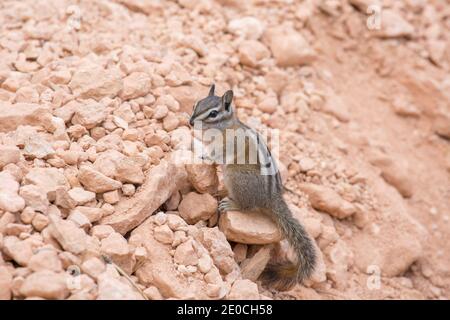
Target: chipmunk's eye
[213,114]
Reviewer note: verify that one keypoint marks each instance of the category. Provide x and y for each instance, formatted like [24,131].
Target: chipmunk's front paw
[226,204]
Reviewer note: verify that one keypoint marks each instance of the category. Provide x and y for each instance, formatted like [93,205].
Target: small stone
[163,234]
[289,47]
[203,177]
[175,222]
[185,254]
[327,200]
[95,181]
[393,25]
[8,154]
[111,197]
[101,231]
[68,234]
[6,282]
[93,81]
[93,267]
[20,251]
[249,227]
[252,52]
[246,27]
[128,189]
[137,84]
[160,112]
[116,247]
[243,290]
[89,115]
[81,196]
[252,268]
[196,207]
[45,259]
[153,293]
[40,221]
[45,284]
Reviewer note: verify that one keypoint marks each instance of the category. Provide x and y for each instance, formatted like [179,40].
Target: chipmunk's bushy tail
[284,275]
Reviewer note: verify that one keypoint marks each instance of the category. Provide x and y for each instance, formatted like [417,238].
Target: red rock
[137,84]
[152,194]
[95,181]
[92,81]
[327,200]
[249,228]
[243,290]
[45,284]
[195,207]
[14,115]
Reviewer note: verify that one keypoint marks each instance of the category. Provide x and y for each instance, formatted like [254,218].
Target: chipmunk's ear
[227,98]
[211,90]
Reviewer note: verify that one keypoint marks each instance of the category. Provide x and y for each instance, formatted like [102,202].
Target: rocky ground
[95,202]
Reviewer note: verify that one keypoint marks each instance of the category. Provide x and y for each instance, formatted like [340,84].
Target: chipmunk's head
[213,111]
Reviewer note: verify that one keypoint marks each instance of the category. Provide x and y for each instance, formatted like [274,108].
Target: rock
[252,268]
[159,269]
[268,103]
[111,197]
[81,196]
[195,207]
[395,172]
[40,221]
[92,214]
[393,25]
[45,284]
[243,290]
[92,81]
[289,48]
[90,114]
[252,52]
[203,177]
[152,194]
[8,154]
[327,200]
[95,181]
[101,231]
[47,179]
[204,263]
[9,198]
[185,254]
[170,122]
[5,283]
[137,84]
[249,227]
[195,43]
[80,219]
[15,115]
[175,222]
[93,267]
[111,288]
[115,246]
[68,235]
[35,197]
[153,293]
[128,171]
[219,248]
[163,234]
[246,27]
[45,259]
[37,147]
[20,251]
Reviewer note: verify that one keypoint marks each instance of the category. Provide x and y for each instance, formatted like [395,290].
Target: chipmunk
[250,189]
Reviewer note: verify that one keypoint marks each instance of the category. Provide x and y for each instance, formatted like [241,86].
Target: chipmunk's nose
[191,121]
